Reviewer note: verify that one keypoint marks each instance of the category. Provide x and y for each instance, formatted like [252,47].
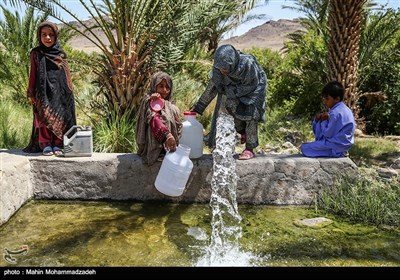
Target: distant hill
[271,35]
[81,43]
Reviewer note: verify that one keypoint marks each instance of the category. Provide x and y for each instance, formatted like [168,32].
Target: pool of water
[76,233]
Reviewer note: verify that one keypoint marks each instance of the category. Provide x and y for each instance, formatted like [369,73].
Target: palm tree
[345,23]
[352,39]
[340,23]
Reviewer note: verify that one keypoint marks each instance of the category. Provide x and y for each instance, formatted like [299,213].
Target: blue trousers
[318,149]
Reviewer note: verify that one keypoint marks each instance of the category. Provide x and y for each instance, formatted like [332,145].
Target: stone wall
[268,179]
[265,179]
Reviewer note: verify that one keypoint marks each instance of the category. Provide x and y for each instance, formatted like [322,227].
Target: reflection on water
[72,233]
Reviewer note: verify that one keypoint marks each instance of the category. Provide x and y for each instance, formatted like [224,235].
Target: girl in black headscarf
[238,78]
[50,93]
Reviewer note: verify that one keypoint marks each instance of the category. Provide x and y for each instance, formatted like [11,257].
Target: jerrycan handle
[68,140]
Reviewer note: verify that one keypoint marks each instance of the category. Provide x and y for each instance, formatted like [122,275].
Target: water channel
[89,233]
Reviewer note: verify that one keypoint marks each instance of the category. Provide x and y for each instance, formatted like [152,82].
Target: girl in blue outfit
[334,130]
[242,81]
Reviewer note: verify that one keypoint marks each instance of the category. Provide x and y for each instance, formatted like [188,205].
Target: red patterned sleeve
[158,128]
[32,76]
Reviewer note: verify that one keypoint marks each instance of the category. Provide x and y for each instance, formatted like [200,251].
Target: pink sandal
[246,154]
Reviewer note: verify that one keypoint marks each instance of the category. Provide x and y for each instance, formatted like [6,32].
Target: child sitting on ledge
[334,130]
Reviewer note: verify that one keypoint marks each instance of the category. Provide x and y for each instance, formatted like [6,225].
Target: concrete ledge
[15,184]
[266,179]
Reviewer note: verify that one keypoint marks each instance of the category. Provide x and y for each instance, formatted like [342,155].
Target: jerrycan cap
[157,104]
[189,113]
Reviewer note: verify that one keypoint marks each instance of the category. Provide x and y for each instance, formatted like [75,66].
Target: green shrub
[15,125]
[268,59]
[186,93]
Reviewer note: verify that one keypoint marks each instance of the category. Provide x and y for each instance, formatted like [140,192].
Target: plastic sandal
[57,151]
[246,154]
[48,151]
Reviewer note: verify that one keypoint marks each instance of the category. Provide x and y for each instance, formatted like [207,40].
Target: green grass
[15,125]
[367,198]
[374,151]
[364,199]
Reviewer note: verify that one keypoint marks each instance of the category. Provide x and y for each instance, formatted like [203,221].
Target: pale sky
[272,11]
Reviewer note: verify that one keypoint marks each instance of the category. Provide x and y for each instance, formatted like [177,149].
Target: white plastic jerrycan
[174,172]
[80,144]
[192,134]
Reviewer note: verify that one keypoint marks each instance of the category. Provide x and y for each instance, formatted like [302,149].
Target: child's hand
[170,143]
[155,96]
[324,116]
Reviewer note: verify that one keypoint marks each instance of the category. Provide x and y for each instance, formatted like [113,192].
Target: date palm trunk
[345,23]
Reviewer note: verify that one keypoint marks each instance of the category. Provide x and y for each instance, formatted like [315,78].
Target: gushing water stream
[224,249]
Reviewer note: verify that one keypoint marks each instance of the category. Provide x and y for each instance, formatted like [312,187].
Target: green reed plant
[363,199]
[15,124]
[115,134]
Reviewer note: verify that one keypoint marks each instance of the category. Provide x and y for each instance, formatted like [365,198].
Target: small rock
[291,151]
[259,151]
[387,172]
[392,137]
[396,164]
[288,145]
[358,132]
[314,222]
[270,148]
